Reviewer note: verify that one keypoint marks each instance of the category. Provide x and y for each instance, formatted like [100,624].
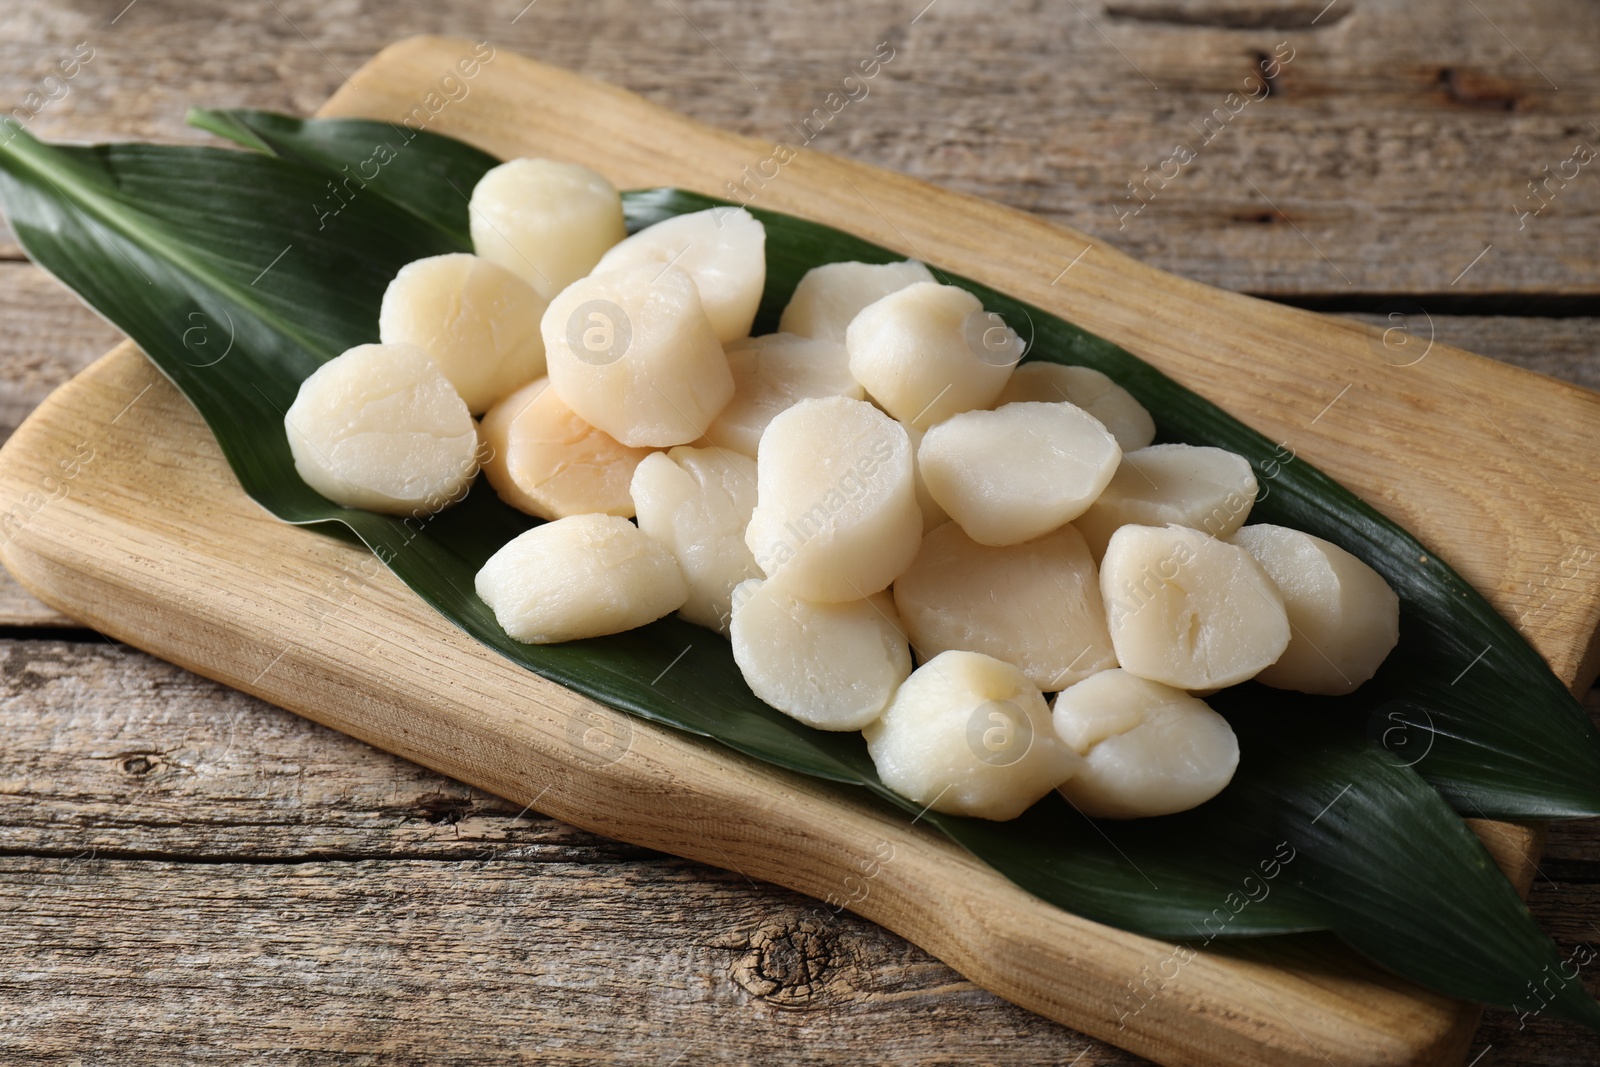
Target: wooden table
[190,875]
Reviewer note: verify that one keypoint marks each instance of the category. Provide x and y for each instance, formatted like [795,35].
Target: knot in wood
[443,808]
[138,764]
[788,964]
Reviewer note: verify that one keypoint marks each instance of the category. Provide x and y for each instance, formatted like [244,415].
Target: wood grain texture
[1395,146]
[1565,348]
[127,781]
[579,950]
[18,607]
[49,336]
[360,909]
[506,731]
[327,962]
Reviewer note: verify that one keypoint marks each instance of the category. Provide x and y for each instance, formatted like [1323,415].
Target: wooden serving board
[118,509]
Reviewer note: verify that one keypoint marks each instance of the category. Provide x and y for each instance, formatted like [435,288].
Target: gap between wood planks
[471,851]
[1501,305]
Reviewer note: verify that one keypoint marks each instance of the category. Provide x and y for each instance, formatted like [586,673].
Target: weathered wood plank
[111,750]
[1565,348]
[108,749]
[582,946]
[444,963]
[18,607]
[1395,146]
[49,336]
[113,755]
[453,963]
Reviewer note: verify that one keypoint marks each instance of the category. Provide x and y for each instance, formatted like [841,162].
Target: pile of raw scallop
[902,528]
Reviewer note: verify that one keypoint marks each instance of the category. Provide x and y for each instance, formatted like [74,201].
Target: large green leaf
[359,157]
[153,237]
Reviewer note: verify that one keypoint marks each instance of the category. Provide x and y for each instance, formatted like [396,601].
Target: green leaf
[364,158]
[1363,849]
[155,236]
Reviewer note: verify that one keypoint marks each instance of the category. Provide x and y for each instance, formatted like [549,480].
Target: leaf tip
[225,124]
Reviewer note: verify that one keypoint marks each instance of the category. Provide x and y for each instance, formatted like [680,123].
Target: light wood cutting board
[153,542]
